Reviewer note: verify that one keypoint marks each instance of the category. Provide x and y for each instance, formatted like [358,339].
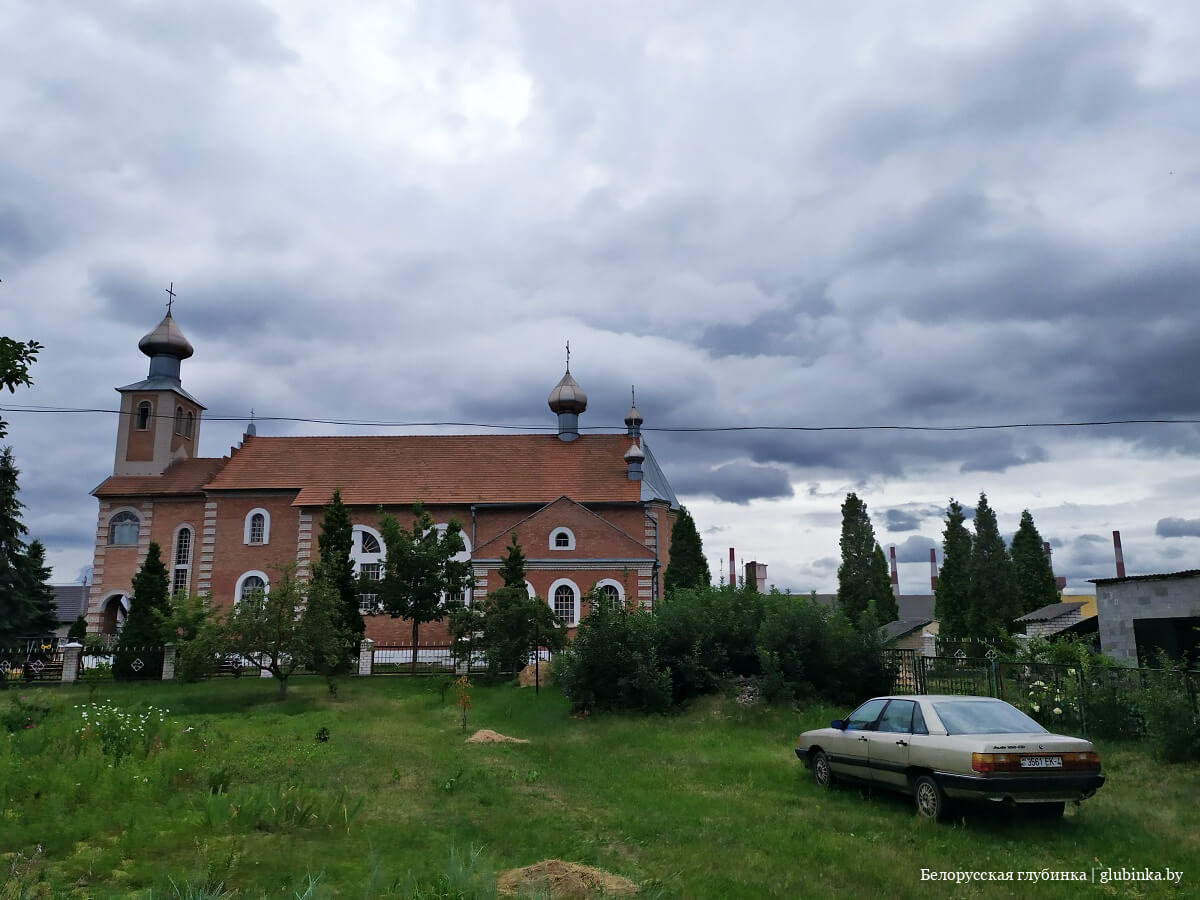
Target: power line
[666,429]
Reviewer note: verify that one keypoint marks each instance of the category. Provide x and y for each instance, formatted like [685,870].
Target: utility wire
[685,429]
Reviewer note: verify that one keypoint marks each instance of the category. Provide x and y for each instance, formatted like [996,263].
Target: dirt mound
[564,879]
[487,736]
[527,675]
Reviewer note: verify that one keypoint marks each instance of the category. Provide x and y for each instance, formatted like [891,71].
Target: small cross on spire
[171,294]
[568,356]
[632,396]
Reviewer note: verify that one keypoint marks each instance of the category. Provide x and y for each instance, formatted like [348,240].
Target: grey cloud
[736,482]
[915,549]
[1172,527]
[910,517]
[999,459]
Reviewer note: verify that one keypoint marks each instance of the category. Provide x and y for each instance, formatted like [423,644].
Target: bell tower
[160,421]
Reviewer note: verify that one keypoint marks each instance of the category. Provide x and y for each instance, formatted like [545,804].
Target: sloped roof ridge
[542,509]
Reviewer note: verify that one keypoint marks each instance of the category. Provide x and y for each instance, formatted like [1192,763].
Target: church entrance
[112,614]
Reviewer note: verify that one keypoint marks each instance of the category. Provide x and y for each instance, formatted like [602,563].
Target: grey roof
[1186,573]
[895,630]
[1052,611]
[71,600]
[654,481]
[161,383]
[909,606]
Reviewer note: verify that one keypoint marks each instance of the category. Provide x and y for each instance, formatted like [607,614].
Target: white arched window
[564,600]
[613,591]
[181,564]
[366,552]
[144,411]
[257,529]
[562,538]
[463,555]
[251,586]
[123,529]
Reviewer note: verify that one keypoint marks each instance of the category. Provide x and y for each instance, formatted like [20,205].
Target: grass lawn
[708,803]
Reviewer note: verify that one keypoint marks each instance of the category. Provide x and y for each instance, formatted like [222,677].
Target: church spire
[567,401]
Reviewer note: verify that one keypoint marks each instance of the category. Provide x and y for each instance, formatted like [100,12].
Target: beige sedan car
[940,748]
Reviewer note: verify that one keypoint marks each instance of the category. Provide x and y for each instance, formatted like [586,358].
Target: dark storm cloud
[735,482]
[1000,459]
[911,516]
[1173,528]
[915,549]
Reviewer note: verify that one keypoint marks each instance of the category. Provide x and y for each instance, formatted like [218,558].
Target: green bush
[1171,724]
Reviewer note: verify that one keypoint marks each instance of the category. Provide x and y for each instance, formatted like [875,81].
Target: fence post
[366,656]
[168,669]
[72,658]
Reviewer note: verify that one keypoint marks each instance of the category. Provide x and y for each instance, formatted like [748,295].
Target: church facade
[590,510]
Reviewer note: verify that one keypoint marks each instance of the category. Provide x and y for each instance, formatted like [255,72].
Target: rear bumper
[1022,788]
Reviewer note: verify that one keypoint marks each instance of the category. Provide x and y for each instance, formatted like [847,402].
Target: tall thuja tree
[886,607]
[992,602]
[333,576]
[952,595]
[420,569]
[43,610]
[15,607]
[138,653]
[513,623]
[861,583]
[687,567]
[1033,577]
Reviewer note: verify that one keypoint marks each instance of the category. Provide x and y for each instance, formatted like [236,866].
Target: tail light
[1088,761]
[1082,762]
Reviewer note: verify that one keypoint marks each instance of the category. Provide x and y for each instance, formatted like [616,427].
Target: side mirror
[838,724]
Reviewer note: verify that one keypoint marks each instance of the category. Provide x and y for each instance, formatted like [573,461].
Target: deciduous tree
[268,627]
[687,567]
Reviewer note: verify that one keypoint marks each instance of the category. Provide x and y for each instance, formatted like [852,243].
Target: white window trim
[612,582]
[237,591]
[562,529]
[465,555]
[175,565]
[530,590]
[575,589]
[266,527]
[116,512]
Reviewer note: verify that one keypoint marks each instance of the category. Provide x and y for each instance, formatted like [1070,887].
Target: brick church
[588,509]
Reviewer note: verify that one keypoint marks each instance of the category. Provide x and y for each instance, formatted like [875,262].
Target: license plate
[1041,762]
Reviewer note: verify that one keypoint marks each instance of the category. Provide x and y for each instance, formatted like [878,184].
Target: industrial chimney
[756,575]
[1119,555]
[732,569]
[933,569]
[895,574]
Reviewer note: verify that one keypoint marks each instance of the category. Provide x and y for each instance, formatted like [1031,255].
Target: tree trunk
[282,686]
[416,628]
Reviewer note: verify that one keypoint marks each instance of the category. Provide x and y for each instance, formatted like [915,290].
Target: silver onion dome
[567,396]
[166,340]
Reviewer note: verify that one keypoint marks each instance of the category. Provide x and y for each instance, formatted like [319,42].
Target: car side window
[863,718]
[897,718]
[918,725]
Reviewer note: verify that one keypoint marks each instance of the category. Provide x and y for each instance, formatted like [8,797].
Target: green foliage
[121,733]
[706,634]
[952,595]
[43,611]
[512,567]
[1172,725]
[17,610]
[991,597]
[613,661]
[195,630]
[78,630]
[95,675]
[24,711]
[883,607]
[326,643]
[687,567]
[1033,577]
[860,578]
[144,630]
[511,622]
[270,628]
[333,570]
[15,359]
[421,569]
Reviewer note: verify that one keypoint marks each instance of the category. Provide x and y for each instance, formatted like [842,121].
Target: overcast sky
[791,213]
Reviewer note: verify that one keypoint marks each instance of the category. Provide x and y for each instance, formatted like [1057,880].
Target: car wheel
[1049,810]
[822,774]
[930,799]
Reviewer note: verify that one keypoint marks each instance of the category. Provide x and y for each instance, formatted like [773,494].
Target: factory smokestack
[1060,581]
[933,568]
[895,574]
[732,569]
[1119,555]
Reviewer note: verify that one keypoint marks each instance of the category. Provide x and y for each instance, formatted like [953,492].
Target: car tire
[822,773]
[1049,810]
[930,799]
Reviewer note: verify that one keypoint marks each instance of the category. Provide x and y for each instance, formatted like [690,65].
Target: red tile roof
[495,548]
[185,476]
[436,469]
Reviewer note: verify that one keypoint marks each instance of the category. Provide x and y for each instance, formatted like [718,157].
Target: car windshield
[984,717]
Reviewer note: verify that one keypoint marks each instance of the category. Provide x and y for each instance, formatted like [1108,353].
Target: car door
[888,744]
[851,756]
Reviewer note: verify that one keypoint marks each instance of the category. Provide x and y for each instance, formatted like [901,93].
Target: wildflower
[1070,671]
[1036,708]
[1057,711]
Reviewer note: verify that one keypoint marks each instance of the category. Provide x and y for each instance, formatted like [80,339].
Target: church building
[588,509]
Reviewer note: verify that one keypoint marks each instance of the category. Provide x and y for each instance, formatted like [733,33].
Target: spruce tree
[687,567]
[16,611]
[43,610]
[512,568]
[138,654]
[860,579]
[952,595]
[333,573]
[1033,576]
[991,606]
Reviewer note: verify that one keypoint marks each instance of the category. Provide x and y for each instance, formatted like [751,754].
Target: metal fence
[31,662]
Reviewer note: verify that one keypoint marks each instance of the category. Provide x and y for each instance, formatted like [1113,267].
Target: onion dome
[634,454]
[166,340]
[633,417]
[567,396]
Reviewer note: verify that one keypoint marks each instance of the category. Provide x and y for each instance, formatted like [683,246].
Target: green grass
[709,803]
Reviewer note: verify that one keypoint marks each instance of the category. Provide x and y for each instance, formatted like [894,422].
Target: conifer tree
[43,610]
[991,606]
[333,578]
[1033,576]
[687,567]
[138,654]
[886,608]
[952,595]
[513,623]
[860,579]
[16,611]
[512,568]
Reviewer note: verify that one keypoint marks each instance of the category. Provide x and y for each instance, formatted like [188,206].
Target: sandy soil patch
[487,736]
[527,677]
[564,879]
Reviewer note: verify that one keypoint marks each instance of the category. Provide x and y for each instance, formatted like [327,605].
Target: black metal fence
[31,662]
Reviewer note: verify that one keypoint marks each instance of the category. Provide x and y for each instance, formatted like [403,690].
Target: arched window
[612,592]
[564,600]
[123,529]
[251,586]
[370,543]
[143,415]
[562,538]
[257,527]
[179,420]
[182,567]
[189,425]
[366,552]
